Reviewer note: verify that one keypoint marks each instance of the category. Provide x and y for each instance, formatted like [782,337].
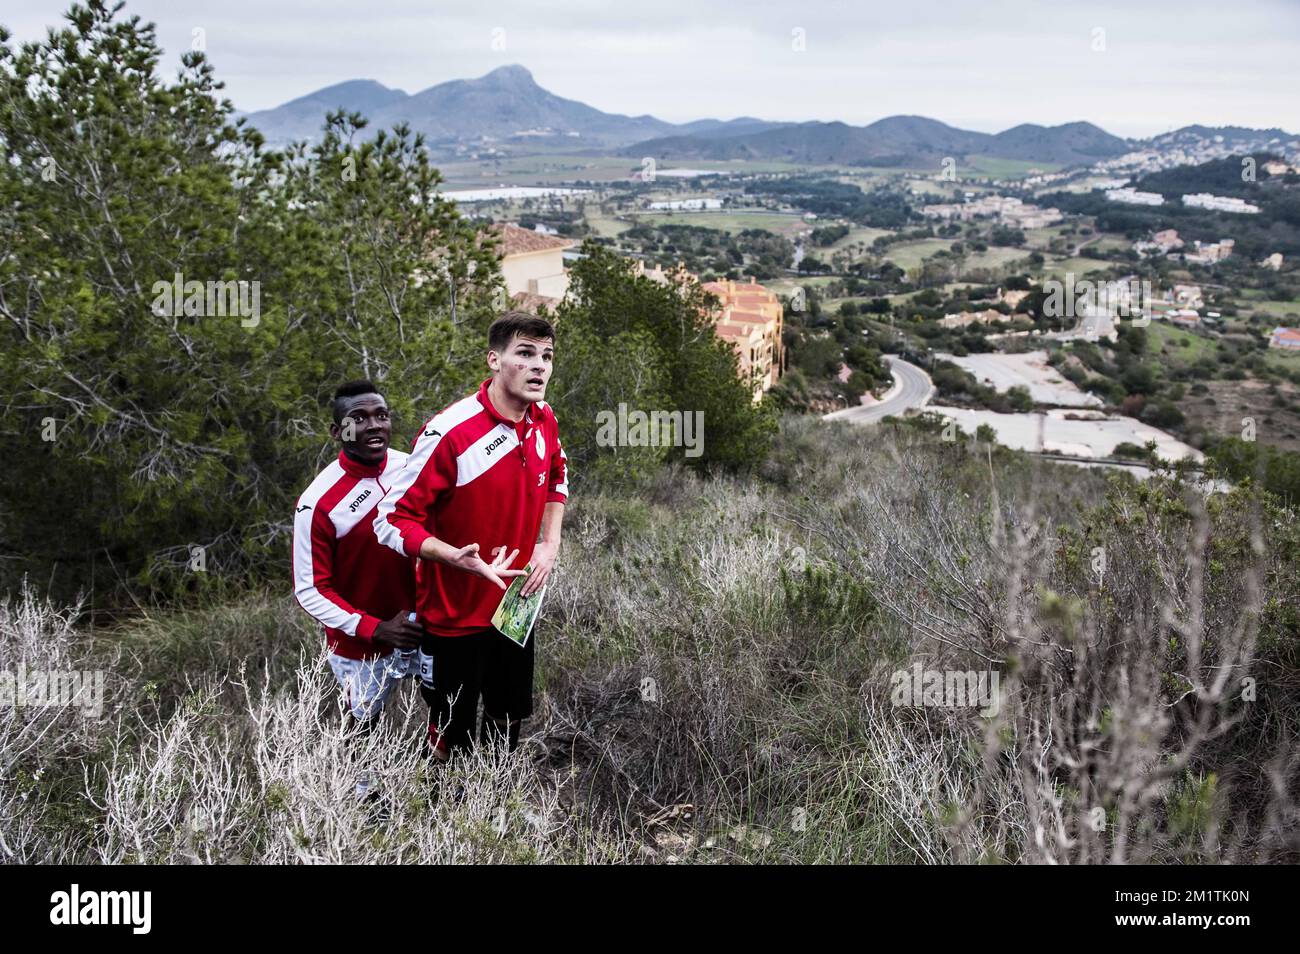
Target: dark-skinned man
[360,591]
[484,477]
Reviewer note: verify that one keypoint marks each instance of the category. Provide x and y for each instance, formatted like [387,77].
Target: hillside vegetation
[716,665]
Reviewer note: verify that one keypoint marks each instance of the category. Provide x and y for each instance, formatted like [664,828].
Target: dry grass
[714,685]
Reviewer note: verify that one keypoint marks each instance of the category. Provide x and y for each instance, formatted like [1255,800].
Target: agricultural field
[1005,168]
[994,257]
[1041,239]
[1283,360]
[858,234]
[1075,266]
[1274,309]
[1179,346]
[788,225]
[936,190]
[912,254]
[606,225]
[535,170]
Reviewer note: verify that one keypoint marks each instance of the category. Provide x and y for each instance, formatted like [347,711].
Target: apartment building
[1207,253]
[1006,209]
[1219,203]
[750,318]
[1130,196]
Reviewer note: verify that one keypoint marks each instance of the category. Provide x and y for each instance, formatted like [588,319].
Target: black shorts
[485,664]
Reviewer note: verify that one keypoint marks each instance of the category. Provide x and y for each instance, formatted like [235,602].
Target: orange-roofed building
[751,318]
[1284,338]
[533,264]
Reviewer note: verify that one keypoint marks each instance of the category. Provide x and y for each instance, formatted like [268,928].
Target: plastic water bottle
[407,655]
[400,662]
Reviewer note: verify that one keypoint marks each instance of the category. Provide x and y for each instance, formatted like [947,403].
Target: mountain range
[506,105]
[894,141]
[508,111]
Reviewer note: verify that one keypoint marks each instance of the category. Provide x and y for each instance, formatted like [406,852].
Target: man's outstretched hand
[467,559]
[399,632]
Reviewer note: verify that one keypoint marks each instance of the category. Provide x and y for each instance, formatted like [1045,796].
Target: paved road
[1074,253]
[915,390]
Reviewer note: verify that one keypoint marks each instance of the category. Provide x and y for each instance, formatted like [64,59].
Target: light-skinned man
[484,477]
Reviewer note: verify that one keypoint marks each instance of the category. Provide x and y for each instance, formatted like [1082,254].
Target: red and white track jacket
[473,476]
[342,575]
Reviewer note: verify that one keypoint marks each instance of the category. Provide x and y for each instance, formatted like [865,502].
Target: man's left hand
[543,561]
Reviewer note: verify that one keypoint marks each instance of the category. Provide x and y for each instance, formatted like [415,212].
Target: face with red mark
[523,369]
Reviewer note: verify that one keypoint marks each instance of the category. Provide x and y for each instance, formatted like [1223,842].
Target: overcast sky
[1135,67]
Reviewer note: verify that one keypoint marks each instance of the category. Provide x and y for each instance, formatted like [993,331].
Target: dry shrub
[715,684]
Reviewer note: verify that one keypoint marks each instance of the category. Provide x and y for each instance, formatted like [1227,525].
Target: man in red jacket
[484,476]
[360,591]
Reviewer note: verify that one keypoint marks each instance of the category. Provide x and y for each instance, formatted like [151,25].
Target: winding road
[912,388]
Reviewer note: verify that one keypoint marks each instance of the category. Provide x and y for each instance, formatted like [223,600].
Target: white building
[1133,197]
[1219,203]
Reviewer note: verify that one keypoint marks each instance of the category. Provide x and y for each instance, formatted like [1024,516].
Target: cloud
[986,65]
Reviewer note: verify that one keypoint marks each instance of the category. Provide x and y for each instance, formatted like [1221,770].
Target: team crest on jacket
[541,445]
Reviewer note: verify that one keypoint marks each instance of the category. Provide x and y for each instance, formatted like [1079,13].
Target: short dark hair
[350,389]
[520,323]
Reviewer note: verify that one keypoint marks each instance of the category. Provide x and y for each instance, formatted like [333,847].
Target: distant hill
[506,109]
[302,118]
[894,141]
[504,105]
[898,140]
[812,142]
[730,127]
[1218,176]
[1237,138]
[1069,144]
[507,102]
